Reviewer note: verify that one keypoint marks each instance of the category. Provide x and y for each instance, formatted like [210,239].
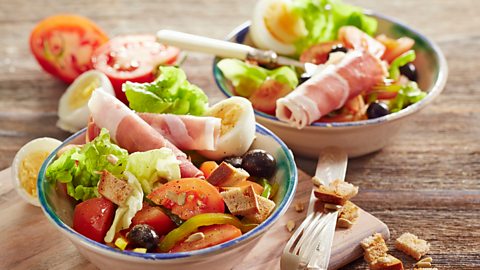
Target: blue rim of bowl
[239,33]
[281,209]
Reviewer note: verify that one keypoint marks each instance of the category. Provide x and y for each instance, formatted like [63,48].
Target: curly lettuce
[247,78]
[323,19]
[78,167]
[169,93]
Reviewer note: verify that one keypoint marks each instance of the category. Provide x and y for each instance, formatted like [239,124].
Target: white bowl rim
[110,251]
[436,89]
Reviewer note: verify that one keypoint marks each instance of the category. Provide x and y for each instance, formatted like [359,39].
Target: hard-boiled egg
[73,110]
[26,165]
[276,27]
[237,130]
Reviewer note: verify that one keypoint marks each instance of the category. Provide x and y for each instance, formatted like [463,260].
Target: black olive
[304,77]
[377,109]
[259,163]
[234,161]
[410,71]
[338,48]
[142,235]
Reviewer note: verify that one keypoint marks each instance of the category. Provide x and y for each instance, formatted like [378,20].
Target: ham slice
[186,132]
[330,88]
[356,39]
[131,132]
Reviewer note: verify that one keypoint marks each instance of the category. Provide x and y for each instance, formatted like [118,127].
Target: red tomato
[265,98]
[92,218]
[200,197]
[214,235]
[318,54]
[395,47]
[154,217]
[132,58]
[63,45]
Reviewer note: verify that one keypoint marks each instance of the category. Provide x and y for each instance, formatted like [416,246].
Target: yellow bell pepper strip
[191,226]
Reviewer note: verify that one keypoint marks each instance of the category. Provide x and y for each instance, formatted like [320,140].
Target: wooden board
[29,241]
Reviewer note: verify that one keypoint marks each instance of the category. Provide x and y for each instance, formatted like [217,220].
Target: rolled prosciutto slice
[186,132]
[329,89]
[356,39]
[131,132]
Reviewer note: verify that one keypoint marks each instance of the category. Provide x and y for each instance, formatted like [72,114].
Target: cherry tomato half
[63,45]
[188,197]
[132,58]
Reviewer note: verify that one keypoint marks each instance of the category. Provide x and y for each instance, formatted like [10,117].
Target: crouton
[227,176]
[412,245]
[265,207]
[114,189]
[338,192]
[375,247]
[241,201]
[387,262]
[348,215]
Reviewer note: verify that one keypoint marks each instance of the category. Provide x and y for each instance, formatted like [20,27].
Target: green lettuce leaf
[405,58]
[323,19]
[169,93]
[78,167]
[407,95]
[151,166]
[247,78]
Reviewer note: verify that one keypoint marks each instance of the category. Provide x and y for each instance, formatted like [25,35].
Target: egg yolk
[28,171]
[229,116]
[283,24]
[81,94]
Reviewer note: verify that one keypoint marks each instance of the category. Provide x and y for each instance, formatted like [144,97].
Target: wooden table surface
[426,182]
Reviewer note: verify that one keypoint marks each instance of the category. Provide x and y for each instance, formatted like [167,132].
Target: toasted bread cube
[227,176]
[349,212]
[375,247]
[338,192]
[241,201]
[265,207]
[114,189]
[412,245]
[387,262]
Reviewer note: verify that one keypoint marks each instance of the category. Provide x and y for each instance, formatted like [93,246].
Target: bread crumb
[299,207]
[195,237]
[290,225]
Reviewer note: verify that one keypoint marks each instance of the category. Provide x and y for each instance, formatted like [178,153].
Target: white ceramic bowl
[59,210]
[360,137]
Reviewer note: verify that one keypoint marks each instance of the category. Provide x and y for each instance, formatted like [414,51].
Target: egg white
[74,119]
[40,144]
[237,140]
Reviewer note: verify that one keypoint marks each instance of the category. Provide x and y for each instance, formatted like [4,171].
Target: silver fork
[310,245]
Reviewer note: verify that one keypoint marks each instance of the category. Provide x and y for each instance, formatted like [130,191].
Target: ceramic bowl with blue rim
[58,208]
[360,137]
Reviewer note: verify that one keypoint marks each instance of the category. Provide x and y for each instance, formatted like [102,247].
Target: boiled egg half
[73,111]
[237,130]
[275,26]
[27,164]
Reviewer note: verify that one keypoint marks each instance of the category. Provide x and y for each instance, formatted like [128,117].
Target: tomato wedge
[154,217]
[188,197]
[318,54]
[265,98]
[92,218]
[63,45]
[213,235]
[132,58]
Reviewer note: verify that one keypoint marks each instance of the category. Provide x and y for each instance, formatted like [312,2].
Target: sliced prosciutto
[356,39]
[330,88]
[131,132]
[186,132]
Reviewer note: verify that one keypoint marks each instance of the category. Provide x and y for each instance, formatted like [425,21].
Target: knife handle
[201,44]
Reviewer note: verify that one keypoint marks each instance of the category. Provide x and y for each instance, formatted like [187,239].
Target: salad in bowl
[190,183]
[361,70]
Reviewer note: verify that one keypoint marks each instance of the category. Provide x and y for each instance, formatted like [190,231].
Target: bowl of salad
[146,190]
[364,74]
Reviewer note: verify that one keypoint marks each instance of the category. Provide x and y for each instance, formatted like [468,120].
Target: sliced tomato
[92,218]
[200,197]
[213,235]
[132,58]
[395,47]
[63,45]
[318,54]
[265,97]
[155,217]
